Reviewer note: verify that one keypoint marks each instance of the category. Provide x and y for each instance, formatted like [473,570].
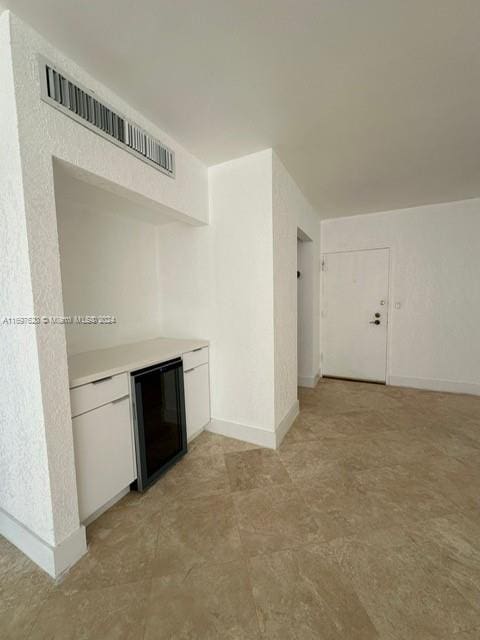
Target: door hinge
[323,265]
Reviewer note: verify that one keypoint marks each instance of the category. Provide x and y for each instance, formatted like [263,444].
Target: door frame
[391,255]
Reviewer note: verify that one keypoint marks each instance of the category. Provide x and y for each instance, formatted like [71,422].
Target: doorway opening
[307,336]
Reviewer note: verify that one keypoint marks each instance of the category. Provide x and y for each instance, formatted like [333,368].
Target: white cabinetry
[197,390]
[103,430]
[102,434]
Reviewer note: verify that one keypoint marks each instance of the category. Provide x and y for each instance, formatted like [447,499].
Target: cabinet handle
[188,370]
[102,380]
[197,349]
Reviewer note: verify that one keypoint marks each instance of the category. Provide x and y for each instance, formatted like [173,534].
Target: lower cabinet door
[104,456]
[197,398]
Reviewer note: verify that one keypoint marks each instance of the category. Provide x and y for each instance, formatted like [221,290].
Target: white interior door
[355,314]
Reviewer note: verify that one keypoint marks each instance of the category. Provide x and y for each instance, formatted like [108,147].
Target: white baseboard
[68,552]
[54,560]
[452,386]
[254,435]
[286,423]
[309,382]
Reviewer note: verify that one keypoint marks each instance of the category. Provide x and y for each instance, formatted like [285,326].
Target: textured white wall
[24,485]
[290,211]
[434,336]
[217,283]
[284,210]
[109,265]
[45,133]
[185,274]
[242,353]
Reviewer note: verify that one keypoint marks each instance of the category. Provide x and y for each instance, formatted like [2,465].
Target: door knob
[374,321]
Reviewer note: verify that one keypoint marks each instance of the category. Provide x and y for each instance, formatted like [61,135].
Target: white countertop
[93,365]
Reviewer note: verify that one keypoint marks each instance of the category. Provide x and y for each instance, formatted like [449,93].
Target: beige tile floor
[365,524]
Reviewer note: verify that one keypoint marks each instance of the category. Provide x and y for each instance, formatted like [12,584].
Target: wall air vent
[80,104]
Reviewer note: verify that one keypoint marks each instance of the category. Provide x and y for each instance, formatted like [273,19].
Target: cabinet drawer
[197,398]
[104,458]
[192,359]
[92,395]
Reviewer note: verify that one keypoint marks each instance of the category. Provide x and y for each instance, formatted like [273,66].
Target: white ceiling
[372,105]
